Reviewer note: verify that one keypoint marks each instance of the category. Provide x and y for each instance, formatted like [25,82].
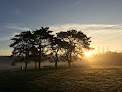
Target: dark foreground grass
[76,79]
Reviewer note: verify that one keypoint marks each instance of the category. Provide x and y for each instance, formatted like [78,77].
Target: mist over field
[106,59]
[5,63]
[95,73]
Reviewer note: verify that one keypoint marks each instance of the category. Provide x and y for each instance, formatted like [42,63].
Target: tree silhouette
[77,39]
[34,55]
[41,45]
[42,37]
[56,49]
[21,45]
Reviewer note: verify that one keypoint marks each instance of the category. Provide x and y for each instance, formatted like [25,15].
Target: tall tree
[34,55]
[42,37]
[21,47]
[77,39]
[56,49]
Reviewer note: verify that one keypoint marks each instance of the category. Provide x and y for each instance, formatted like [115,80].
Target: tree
[21,45]
[56,49]
[77,39]
[34,55]
[36,46]
[42,37]
[26,42]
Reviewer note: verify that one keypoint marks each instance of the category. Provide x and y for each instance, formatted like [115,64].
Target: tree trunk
[39,63]
[55,64]
[56,61]
[26,60]
[69,63]
[40,59]
[70,59]
[26,64]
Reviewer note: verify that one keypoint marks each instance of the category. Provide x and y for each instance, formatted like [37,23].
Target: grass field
[75,79]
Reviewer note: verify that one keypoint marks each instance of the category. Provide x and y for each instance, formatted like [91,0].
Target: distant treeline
[5,56]
[111,58]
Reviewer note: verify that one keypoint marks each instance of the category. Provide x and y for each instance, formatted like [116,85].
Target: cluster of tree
[41,45]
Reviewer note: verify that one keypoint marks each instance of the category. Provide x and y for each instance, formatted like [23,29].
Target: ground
[63,79]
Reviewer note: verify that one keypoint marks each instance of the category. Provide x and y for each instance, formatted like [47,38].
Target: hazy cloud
[102,34]
[8,37]
[4,38]
[76,3]
[95,28]
[19,28]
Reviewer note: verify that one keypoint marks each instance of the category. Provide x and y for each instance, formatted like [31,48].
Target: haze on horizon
[99,19]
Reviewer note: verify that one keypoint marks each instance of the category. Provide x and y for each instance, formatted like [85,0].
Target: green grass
[76,79]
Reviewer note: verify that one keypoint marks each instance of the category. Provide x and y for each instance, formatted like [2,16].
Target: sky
[99,19]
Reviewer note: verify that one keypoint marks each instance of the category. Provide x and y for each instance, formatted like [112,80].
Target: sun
[88,53]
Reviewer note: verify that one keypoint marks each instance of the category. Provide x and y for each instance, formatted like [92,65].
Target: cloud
[14,33]
[102,34]
[19,28]
[8,37]
[76,3]
[88,28]
[4,38]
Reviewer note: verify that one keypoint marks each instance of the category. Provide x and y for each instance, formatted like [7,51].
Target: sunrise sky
[99,19]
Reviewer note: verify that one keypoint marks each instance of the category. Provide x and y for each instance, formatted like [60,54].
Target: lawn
[63,79]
